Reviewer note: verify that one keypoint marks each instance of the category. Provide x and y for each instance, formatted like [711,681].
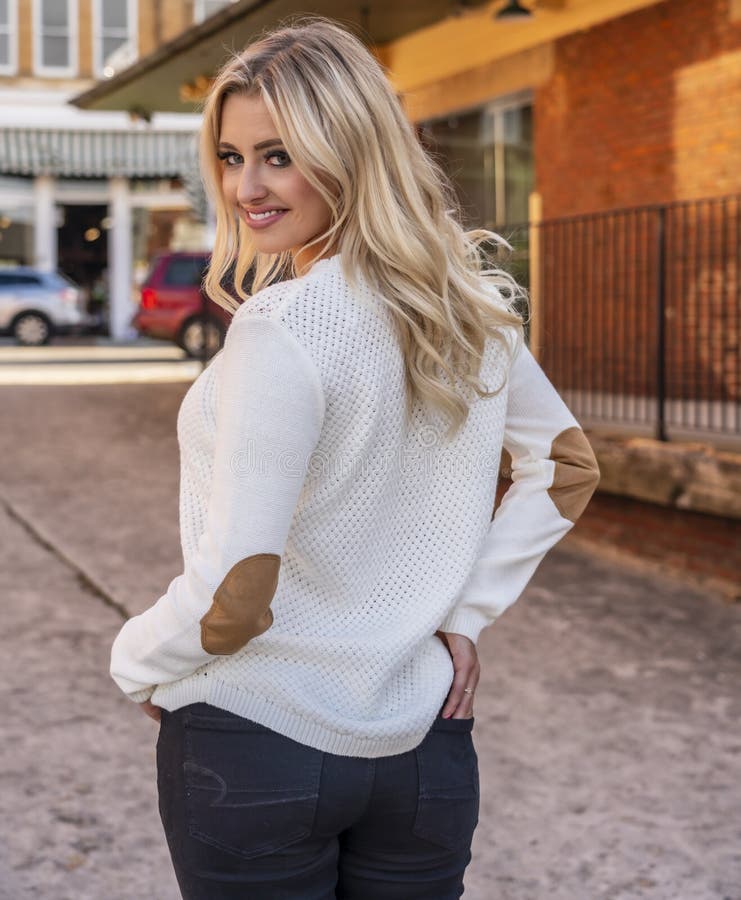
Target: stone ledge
[692,476]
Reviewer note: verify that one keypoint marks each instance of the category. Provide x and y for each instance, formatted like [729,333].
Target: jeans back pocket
[448,801]
[248,790]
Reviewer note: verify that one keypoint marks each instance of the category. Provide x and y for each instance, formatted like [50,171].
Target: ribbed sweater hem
[236,700]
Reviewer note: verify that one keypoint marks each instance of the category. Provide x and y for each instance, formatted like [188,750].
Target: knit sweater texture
[295,448]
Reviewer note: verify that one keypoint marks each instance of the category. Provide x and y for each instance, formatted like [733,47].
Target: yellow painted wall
[528,69]
[85,38]
[25,37]
[161,20]
[463,43]
[174,16]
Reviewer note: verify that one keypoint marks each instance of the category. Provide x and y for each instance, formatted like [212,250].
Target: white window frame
[199,9]
[11,29]
[131,37]
[73,68]
[496,109]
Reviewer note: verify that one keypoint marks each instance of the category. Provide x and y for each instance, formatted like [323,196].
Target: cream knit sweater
[325,539]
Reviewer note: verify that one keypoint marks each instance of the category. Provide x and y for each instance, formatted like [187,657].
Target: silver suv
[35,305]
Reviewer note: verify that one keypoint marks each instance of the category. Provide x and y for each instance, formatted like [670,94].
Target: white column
[45,230]
[120,274]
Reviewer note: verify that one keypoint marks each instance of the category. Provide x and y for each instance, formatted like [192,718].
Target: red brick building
[573,116]
[644,108]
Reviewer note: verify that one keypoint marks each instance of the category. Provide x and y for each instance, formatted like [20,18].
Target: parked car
[36,305]
[173,306]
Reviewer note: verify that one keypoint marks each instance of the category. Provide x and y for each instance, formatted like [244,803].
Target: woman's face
[279,206]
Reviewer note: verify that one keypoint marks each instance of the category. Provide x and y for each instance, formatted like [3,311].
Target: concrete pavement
[95,361]
[607,717]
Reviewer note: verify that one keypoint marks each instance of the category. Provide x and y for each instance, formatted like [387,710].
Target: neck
[305,257]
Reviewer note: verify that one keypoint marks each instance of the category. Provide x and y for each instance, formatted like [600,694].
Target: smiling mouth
[267,214]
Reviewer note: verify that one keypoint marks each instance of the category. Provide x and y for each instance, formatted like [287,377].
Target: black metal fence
[639,313]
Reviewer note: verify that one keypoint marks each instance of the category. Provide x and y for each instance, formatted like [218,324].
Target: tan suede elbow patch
[576,474]
[241,607]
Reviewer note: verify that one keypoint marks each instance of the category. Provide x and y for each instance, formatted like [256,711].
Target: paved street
[607,717]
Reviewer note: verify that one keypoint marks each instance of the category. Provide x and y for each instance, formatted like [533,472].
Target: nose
[250,188]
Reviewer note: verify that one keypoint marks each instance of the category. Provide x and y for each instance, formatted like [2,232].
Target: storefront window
[488,154]
[16,235]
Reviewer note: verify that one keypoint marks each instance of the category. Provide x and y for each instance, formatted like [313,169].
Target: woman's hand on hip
[154,712]
[459,703]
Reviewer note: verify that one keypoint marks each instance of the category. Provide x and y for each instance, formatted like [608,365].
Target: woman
[315,662]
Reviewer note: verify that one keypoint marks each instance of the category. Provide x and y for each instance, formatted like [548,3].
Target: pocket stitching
[265,848]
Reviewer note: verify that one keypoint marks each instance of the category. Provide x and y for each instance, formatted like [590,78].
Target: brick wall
[698,544]
[643,109]
[680,541]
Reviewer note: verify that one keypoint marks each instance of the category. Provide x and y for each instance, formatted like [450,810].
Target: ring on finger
[467,690]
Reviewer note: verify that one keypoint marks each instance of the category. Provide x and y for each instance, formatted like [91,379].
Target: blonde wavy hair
[393,217]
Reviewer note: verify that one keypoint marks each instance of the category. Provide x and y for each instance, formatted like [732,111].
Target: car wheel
[194,333]
[32,329]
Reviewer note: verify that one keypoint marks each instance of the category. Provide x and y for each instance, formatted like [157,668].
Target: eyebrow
[263,145]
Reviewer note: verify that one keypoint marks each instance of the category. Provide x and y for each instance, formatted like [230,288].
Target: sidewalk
[95,360]
[606,717]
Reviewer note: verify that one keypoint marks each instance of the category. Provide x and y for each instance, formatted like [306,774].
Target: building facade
[621,139]
[553,128]
[93,194]
[641,107]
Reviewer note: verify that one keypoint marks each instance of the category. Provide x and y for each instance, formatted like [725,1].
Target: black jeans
[254,815]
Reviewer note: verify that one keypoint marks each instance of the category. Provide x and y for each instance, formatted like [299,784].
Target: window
[8,40]
[202,9]
[55,36]
[185,271]
[488,155]
[19,280]
[114,28]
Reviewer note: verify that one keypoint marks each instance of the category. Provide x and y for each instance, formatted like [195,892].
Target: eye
[278,158]
[229,158]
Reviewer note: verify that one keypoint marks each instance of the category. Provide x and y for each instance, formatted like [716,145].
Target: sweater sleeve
[554,474]
[269,413]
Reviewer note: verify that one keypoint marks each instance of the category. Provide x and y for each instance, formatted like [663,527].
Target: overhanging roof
[96,154]
[153,83]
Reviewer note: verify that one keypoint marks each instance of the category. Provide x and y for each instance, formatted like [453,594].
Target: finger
[154,712]
[464,707]
[459,703]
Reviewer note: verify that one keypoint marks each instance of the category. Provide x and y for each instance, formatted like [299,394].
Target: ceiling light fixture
[513,11]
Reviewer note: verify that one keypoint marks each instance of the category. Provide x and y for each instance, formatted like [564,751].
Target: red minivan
[173,306]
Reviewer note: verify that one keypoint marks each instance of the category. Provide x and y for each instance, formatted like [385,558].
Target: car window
[8,279]
[187,272]
[64,280]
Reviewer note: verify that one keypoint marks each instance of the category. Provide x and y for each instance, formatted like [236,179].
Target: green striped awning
[96,154]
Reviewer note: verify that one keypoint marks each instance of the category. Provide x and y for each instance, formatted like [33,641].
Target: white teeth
[264,215]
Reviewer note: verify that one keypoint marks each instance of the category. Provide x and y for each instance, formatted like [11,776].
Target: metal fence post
[661,326]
